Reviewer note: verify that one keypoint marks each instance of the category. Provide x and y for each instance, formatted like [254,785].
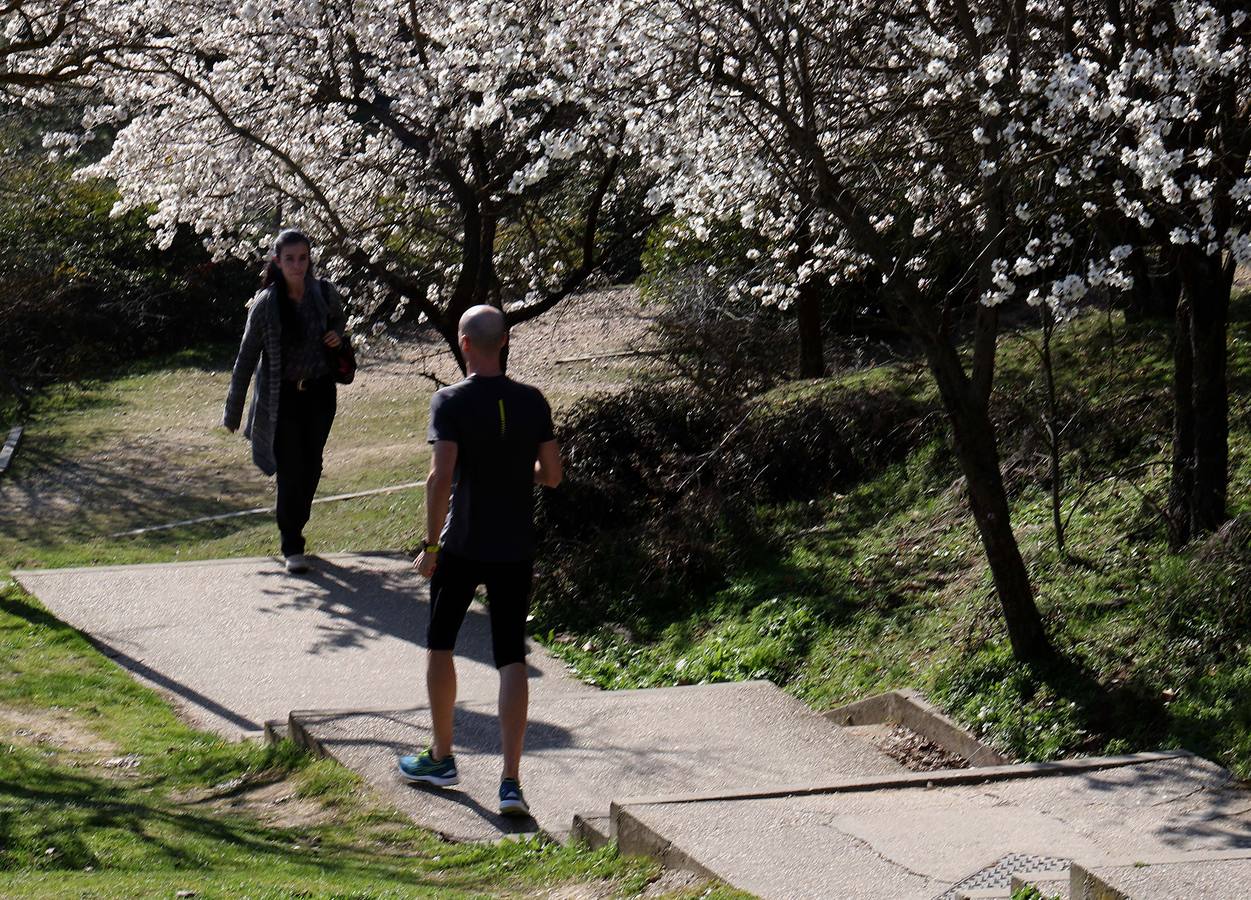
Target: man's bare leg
[514,705]
[441,686]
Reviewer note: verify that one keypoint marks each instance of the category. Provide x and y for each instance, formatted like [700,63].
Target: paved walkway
[235,643]
[919,842]
[585,749]
[740,781]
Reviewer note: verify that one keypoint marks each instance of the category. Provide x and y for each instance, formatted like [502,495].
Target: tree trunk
[1054,449]
[1181,482]
[1208,289]
[811,342]
[808,311]
[976,450]
[1155,293]
[477,272]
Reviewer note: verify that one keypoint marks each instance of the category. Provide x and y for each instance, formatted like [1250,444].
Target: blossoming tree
[898,136]
[1165,108]
[444,151]
[58,42]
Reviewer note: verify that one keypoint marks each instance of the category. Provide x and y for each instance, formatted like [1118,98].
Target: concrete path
[739,781]
[585,749]
[1183,876]
[238,642]
[920,842]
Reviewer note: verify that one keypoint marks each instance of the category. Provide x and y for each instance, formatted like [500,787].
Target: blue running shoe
[512,801]
[425,769]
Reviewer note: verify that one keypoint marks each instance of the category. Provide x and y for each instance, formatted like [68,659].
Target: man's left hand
[425,563]
[332,339]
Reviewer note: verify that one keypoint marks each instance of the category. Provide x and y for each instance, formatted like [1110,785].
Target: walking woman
[291,323]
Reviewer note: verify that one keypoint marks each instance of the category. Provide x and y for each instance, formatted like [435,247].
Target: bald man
[493,441]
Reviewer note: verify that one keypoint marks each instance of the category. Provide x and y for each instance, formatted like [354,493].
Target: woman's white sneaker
[297,563]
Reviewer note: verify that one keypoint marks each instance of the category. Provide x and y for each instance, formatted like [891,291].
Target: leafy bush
[84,291]
[661,487]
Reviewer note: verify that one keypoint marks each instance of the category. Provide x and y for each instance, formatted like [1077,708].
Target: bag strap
[325,293]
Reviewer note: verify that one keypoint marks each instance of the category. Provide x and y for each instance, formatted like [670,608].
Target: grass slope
[145,448]
[885,585]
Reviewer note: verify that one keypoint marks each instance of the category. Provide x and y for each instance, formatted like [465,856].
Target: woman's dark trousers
[304,419]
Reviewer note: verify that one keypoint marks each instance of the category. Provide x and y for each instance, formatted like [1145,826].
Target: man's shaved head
[484,326]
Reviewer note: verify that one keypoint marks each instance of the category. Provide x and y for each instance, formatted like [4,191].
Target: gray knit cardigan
[261,353]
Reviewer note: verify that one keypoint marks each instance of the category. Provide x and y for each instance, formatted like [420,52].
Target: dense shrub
[661,487]
[84,291]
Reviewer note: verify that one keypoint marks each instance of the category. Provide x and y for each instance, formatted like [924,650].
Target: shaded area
[363,605]
[585,750]
[235,643]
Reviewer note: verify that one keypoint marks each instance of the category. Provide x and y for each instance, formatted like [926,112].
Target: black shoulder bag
[341,359]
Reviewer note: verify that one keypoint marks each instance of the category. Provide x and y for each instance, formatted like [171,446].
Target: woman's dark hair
[272,276]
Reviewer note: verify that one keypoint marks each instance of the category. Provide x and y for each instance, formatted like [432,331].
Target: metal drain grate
[1000,874]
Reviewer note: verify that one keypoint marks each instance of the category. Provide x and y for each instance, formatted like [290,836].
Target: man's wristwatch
[430,548]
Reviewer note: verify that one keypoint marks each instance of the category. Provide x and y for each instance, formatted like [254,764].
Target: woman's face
[293,260]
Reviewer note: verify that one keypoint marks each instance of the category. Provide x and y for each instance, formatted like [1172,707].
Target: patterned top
[260,355]
[303,353]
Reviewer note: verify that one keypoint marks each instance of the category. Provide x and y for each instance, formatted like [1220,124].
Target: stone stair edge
[1084,885]
[301,737]
[634,838]
[1087,884]
[933,779]
[907,707]
[592,829]
[632,695]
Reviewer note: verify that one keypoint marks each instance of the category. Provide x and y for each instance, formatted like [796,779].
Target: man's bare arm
[438,496]
[548,470]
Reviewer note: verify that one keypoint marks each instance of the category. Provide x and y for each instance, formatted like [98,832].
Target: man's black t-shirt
[497,424]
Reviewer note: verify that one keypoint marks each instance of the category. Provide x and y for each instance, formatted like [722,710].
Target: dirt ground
[53,730]
[551,351]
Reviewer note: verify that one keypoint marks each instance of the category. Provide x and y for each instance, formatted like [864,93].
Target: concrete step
[926,835]
[908,709]
[593,830]
[1215,874]
[583,750]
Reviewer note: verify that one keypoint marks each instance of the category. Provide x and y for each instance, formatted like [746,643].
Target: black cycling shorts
[508,598]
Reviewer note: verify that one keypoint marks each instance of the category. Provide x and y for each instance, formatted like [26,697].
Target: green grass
[72,827]
[138,449]
[886,585]
[145,448]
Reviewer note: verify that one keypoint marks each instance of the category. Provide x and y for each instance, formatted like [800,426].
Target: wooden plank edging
[10,447]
